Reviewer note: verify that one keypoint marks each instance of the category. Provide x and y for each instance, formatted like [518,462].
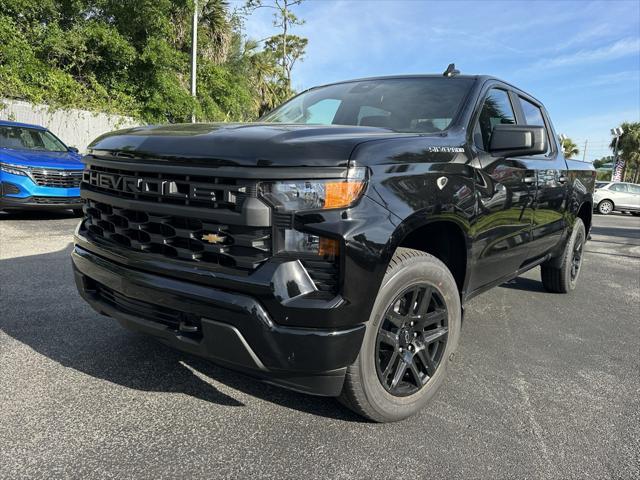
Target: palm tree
[569,148]
[628,149]
[264,74]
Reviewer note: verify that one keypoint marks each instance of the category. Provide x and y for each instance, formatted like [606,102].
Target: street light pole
[194,50]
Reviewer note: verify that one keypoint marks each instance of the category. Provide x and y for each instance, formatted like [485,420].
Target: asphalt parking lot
[543,386]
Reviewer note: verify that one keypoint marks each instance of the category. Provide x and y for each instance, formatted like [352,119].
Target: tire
[635,214]
[78,212]
[560,275]
[409,271]
[605,207]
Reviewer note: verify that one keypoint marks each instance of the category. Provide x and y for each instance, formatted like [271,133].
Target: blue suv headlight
[13,169]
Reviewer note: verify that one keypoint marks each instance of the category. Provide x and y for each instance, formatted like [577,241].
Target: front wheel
[560,275]
[605,207]
[411,336]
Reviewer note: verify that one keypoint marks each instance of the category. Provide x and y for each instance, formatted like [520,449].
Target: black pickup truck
[330,247]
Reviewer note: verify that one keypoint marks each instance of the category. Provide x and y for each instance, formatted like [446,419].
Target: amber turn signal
[342,194]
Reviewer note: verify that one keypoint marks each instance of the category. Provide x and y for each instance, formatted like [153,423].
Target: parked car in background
[618,196]
[37,170]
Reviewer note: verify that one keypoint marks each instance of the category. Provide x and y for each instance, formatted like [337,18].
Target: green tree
[286,47]
[628,149]
[293,51]
[569,148]
[133,57]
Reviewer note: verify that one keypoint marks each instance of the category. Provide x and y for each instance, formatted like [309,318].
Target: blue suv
[37,170]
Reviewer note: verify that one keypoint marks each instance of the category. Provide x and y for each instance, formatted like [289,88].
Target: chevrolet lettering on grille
[159,187]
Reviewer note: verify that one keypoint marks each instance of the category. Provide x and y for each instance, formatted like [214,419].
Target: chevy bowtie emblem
[213,238]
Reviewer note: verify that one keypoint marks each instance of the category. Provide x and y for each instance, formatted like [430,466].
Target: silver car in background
[618,196]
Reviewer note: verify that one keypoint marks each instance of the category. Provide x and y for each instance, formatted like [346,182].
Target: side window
[533,116]
[619,187]
[497,110]
[322,112]
[532,113]
[633,188]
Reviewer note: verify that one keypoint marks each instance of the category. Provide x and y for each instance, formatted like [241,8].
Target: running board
[506,278]
[531,265]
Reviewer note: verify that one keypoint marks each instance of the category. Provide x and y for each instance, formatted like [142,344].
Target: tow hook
[186,328]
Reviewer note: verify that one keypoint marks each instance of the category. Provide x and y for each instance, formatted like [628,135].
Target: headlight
[13,169]
[300,195]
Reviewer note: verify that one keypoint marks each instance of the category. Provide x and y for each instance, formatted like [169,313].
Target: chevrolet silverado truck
[330,247]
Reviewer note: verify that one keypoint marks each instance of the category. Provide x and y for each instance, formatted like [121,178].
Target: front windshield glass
[22,138]
[415,105]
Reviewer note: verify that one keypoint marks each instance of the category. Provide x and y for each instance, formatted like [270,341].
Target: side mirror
[517,141]
[73,149]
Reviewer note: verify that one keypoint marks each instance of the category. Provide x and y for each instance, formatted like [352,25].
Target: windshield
[22,138]
[415,105]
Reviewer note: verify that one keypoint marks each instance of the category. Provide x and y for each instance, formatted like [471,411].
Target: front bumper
[231,328]
[21,192]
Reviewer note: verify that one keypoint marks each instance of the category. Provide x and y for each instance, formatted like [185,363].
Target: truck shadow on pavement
[523,283]
[42,310]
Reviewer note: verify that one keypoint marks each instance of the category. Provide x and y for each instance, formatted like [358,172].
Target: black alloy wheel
[576,259]
[411,340]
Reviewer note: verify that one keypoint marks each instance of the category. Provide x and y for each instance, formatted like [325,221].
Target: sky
[580,58]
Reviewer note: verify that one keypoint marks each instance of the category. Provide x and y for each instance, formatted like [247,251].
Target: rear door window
[533,116]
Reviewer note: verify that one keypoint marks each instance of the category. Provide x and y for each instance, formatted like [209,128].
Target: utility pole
[584,152]
[285,22]
[194,51]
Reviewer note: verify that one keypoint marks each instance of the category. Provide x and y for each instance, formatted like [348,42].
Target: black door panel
[506,190]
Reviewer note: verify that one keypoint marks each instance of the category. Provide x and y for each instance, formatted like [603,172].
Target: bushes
[130,58]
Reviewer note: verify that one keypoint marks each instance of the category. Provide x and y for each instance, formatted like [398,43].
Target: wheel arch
[585,213]
[446,238]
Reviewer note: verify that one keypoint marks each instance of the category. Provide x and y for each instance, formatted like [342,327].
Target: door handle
[531,179]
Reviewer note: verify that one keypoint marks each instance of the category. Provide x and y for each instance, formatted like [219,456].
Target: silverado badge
[213,238]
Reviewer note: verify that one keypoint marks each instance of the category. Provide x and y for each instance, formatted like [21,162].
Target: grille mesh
[56,178]
[185,238]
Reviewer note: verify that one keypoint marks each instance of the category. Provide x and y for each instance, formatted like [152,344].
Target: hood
[34,158]
[250,145]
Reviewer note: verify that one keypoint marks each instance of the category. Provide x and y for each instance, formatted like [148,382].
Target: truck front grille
[185,238]
[56,178]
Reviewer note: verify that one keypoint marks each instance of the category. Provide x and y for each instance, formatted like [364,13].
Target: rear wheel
[605,207]
[411,336]
[560,275]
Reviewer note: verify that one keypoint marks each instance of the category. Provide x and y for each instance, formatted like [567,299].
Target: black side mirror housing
[73,149]
[517,141]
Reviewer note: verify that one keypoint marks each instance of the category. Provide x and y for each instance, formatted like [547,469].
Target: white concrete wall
[76,128]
